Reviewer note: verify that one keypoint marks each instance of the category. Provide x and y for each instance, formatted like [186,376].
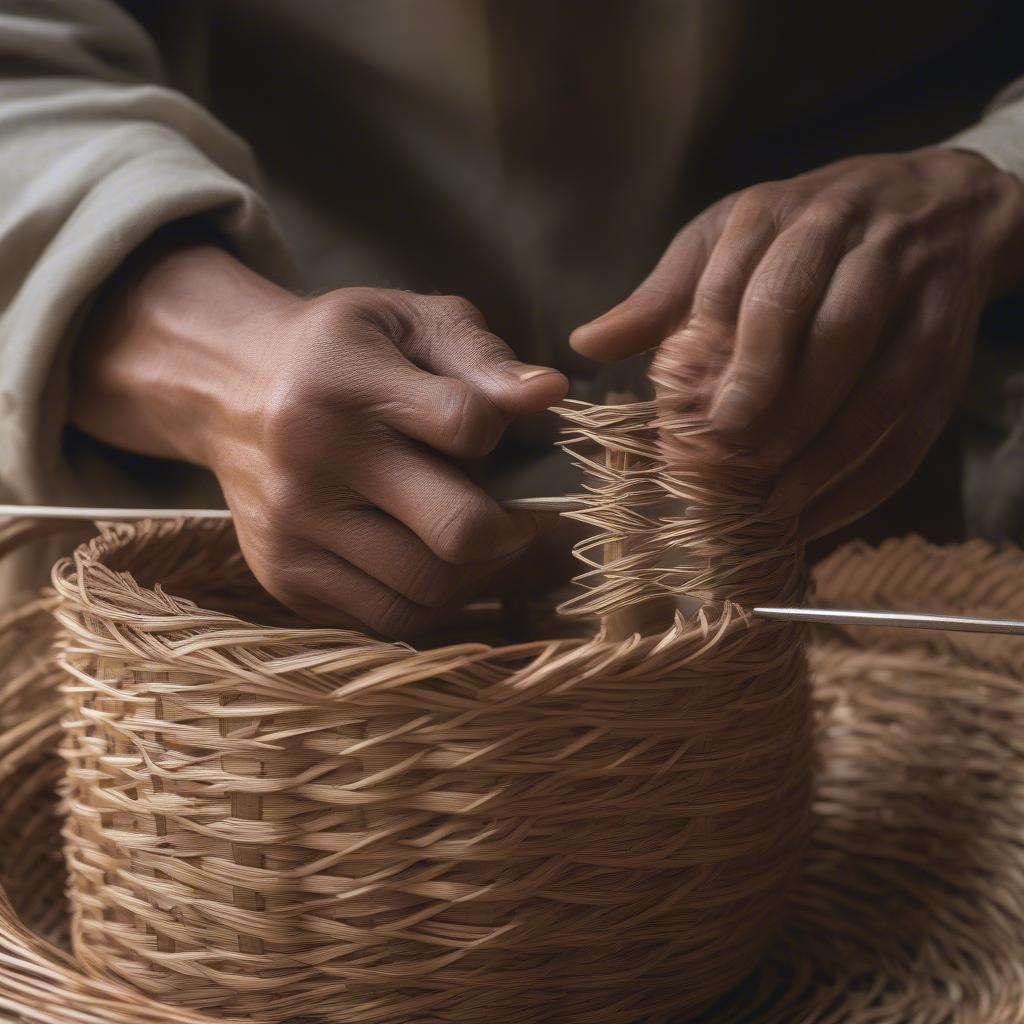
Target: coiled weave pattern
[280,823]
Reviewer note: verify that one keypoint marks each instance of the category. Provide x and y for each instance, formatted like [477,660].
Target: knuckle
[393,616]
[431,584]
[458,532]
[757,383]
[832,209]
[756,200]
[468,423]
[334,315]
[781,294]
[748,395]
[890,234]
[352,310]
[268,525]
[453,310]
[721,286]
[294,417]
[284,412]
[933,330]
[446,321]
[286,496]
[284,576]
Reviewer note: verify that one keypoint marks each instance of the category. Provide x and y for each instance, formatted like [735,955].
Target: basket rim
[74,577]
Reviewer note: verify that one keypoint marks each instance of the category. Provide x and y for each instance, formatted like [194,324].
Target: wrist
[169,347]
[1000,195]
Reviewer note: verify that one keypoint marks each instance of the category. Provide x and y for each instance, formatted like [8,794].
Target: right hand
[333,424]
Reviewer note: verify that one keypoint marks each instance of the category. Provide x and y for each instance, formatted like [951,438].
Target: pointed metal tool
[74,512]
[914,620]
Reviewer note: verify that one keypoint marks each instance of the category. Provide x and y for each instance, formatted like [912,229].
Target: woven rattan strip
[273,822]
[910,903]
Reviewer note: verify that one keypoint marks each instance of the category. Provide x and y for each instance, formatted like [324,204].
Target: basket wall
[279,824]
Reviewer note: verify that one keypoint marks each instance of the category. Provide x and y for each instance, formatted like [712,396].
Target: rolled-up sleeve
[96,153]
[999,135]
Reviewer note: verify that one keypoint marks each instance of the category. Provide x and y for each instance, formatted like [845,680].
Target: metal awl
[915,620]
[117,514]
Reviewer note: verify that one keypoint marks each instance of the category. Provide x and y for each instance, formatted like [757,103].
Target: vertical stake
[621,623]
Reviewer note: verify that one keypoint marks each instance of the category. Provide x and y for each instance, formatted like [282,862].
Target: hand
[828,322]
[332,423]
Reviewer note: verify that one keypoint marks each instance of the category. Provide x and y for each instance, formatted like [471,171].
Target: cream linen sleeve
[96,153]
[992,425]
[999,135]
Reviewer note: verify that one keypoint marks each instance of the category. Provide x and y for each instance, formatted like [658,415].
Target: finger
[688,367]
[455,519]
[390,552]
[446,414]
[891,464]
[860,307]
[696,357]
[749,230]
[662,302]
[891,385]
[450,338]
[777,308]
[689,364]
[376,384]
[326,589]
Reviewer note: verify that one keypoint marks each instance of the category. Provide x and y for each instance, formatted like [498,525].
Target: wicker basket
[270,822]
[910,903]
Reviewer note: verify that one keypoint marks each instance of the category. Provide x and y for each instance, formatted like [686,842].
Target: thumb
[660,305]
[459,345]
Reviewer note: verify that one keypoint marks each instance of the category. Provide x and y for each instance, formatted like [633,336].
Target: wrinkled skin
[828,321]
[334,425]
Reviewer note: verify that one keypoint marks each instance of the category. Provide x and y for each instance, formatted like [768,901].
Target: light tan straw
[910,903]
[600,826]
[272,822]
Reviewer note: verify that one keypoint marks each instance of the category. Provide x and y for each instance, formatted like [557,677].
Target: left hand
[827,322]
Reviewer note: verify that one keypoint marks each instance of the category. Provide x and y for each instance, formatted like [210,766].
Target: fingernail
[730,410]
[530,374]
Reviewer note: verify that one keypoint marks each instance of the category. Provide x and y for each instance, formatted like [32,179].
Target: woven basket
[270,822]
[910,902]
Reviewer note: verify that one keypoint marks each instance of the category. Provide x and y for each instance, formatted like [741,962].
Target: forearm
[97,154]
[165,342]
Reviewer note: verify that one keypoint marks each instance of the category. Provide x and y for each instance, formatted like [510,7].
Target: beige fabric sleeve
[999,135]
[96,152]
